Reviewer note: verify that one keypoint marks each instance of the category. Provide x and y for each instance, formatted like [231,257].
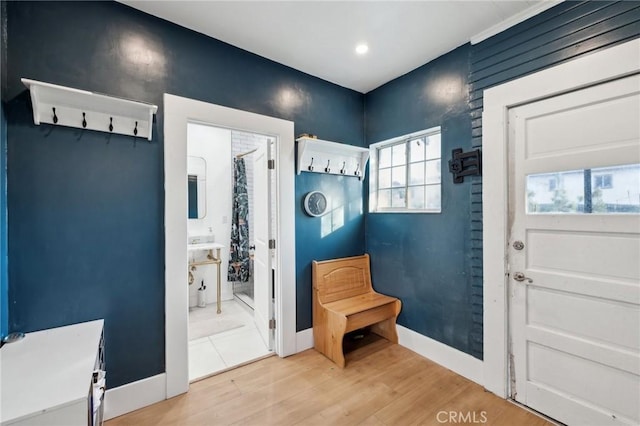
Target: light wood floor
[383,384]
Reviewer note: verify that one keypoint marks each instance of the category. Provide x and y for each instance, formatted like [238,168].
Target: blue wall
[434,262]
[311,244]
[562,33]
[4,282]
[67,189]
[86,212]
[424,258]
[4,279]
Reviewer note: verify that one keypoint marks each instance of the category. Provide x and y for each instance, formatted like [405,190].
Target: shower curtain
[239,253]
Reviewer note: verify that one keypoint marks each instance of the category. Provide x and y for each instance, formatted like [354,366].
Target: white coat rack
[65,106]
[318,156]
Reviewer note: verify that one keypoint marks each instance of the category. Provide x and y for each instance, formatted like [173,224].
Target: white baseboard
[304,340]
[135,395]
[448,357]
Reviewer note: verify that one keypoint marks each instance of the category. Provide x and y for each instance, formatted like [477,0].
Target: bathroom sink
[204,246]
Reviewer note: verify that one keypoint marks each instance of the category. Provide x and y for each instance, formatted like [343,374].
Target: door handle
[519,276]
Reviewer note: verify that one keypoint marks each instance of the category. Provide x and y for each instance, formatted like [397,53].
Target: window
[553,184]
[405,173]
[581,191]
[602,181]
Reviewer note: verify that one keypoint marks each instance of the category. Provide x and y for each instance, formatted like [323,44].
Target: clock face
[315,203]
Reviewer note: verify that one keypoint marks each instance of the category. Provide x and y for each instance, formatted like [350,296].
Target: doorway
[229,190]
[562,282]
[179,112]
[573,259]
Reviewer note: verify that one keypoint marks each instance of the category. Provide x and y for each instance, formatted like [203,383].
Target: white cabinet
[48,377]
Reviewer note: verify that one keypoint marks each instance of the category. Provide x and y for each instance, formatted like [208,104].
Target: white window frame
[373,172]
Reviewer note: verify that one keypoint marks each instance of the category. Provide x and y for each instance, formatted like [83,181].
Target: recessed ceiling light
[362,48]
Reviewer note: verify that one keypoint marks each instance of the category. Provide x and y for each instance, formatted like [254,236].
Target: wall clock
[315,203]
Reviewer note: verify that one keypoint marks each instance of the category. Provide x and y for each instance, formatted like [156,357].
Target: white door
[262,279]
[575,279]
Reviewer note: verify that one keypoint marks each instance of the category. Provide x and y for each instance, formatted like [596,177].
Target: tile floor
[236,340]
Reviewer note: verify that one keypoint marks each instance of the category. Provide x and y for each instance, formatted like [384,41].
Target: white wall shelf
[126,117]
[318,156]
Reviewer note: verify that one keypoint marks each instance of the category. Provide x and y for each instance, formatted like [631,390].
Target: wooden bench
[344,301]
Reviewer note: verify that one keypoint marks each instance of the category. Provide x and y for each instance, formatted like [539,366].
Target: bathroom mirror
[197,183]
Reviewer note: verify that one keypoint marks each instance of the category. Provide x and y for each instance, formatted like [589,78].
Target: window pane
[600,190]
[384,157]
[416,174]
[415,200]
[384,178]
[398,176]
[433,171]
[602,181]
[416,150]
[384,198]
[433,197]
[397,197]
[433,146]
[407,175]
[399,156]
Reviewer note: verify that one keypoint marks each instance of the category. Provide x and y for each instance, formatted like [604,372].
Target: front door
[574,254]
[262,279]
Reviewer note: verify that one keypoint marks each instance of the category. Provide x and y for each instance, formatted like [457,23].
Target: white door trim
[609,64]
[178,111]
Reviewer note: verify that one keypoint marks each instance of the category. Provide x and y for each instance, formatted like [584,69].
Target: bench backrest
[339,279]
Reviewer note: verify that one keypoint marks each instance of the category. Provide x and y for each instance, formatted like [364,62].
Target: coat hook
[344,167]
[310,168]
[111,124]
[357,172]
[55,117]
[328,169]
[135,130]
[84,120]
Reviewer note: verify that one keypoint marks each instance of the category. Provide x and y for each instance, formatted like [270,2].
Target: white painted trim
[448,357]
[514,20]
[609,64]
[178,111]
[304,340]
[135,395]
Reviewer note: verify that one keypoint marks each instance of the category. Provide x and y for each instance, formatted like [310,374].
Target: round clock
[315,203]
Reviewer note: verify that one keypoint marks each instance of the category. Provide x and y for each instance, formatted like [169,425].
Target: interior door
[574,255]
[263,306]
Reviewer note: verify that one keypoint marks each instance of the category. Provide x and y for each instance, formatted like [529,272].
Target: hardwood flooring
[383,384]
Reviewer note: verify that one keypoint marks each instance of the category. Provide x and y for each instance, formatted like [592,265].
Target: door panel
[561,311]
[574,307]
[572,123]
[262,258]
[591,253]
[575,377]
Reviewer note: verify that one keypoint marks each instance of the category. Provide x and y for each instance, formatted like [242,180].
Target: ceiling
[319,37]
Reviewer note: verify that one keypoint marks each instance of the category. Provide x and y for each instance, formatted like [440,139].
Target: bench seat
[344,301]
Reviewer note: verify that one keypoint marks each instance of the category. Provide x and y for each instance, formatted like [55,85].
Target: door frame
[608,64]
[178,111]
